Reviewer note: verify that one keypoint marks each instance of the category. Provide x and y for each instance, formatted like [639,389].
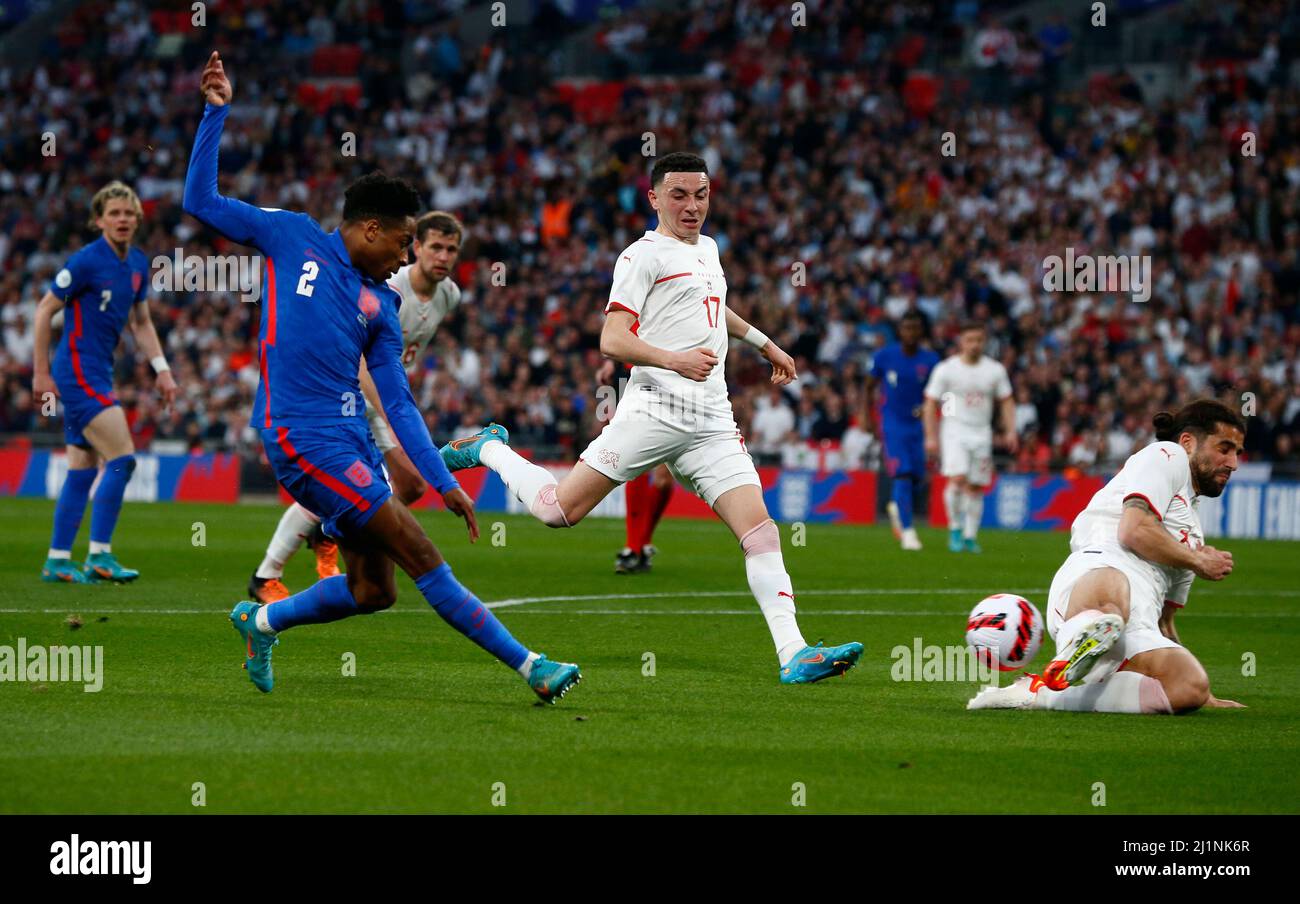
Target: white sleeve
[453,296]
[632,281]
[1158,471]
[935,387]
[1003,388]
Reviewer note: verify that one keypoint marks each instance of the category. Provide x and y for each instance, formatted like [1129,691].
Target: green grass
[430,723]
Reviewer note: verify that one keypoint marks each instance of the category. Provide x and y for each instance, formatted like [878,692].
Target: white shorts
[967,455]
[705,453]
[379,430]
[1145,605]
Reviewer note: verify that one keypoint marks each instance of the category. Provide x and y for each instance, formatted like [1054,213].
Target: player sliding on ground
[104,286]
[1134,552]
[326,307]
[428,295]
[667,316]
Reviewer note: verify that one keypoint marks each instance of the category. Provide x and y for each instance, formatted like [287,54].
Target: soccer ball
[1007,627]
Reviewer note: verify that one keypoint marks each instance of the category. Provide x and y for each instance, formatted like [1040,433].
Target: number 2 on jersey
[310,270]
[717,307]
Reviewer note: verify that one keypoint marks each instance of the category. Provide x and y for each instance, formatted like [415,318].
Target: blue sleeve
[384,361]
[71,279]
[237,221]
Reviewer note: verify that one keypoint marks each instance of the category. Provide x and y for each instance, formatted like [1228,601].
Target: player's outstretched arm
[617,341]
[404,417]
[237,221]
[783,369]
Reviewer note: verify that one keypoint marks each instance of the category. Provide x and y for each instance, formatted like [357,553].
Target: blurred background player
[899,372]
[104,286]
[428,295]
[326,307]
[966,384]
[645,498]
[667,317]
[1134,552]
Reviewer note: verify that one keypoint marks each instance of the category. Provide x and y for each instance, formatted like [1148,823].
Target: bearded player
[428,295]
[1134,552]
[667,317]
[966,385]
[104,286]
[327,307]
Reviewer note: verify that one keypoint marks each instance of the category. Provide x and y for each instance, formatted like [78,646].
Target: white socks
[954,504]
[1121,692]
[526,667]
[527,481]
[263,623]
[974,513]
[296,525]
[97,548]
[772,589]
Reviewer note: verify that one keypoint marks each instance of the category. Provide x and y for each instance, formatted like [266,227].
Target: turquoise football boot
[552,680]
[64,571]
[955,542]
[463,453]
[972,546]
[257,646]
[815,663]
[102,566]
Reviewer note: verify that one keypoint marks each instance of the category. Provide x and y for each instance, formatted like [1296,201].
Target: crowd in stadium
[833,206]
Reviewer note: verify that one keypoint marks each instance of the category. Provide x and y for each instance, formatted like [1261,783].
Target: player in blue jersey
[102,287]
[326,305]
[901,370]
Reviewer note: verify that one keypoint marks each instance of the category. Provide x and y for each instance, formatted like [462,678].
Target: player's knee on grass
[1188,691]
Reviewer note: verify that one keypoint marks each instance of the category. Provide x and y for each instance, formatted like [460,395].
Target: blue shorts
[82,403]
[336,472]
[904,450]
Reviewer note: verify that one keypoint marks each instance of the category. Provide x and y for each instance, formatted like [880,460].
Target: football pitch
[680,709]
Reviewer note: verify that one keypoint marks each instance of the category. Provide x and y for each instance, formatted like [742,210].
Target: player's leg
[978,478]
[556,503]
[403,476]
[1181,676]
[394,530]
[954,503]
[68,513]
[1094,615]
[296,525]
[741,508]
[907,464]
[662,485]
[110,437]
[636,494]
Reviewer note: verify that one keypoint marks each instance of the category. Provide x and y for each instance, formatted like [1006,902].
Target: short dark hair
[913,314]
[440,221]
[676,162]
[377,196]
[1199,418]
[973,324]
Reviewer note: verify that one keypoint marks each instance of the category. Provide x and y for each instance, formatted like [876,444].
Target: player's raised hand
[1213,564]
[783,370]
[214,84]
[695,364]
[166,385]
[459,503]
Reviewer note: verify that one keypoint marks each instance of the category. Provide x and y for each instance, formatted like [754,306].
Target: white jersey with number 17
[678,294]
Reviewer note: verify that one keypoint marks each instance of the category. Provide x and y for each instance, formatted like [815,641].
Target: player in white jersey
[1134,552]
[965,386]
[667,316]
[428,296]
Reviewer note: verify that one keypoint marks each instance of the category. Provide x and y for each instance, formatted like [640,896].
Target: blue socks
[71,507]
[463,611]
[325,601]
[108,498]
[902,496]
